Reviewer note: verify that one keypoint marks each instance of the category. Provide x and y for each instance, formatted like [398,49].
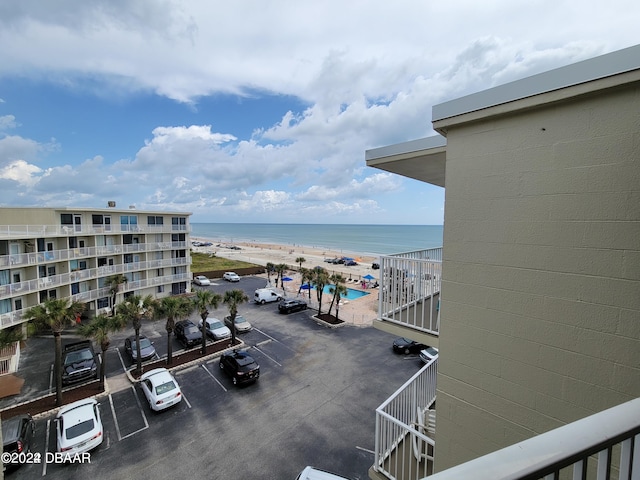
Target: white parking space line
[144,417]
[115,419]
[185,399]
[273,339]
[365,450]
[212,376]
[46,447]
[124,368]
[270,358]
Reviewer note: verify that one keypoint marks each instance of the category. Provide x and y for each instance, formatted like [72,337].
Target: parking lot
[314,404]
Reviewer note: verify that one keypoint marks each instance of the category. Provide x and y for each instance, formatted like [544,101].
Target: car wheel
[406,351]
[304,308]
[221,366]
[235,381]
[262,302]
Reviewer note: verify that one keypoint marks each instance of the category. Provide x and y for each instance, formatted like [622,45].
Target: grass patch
[203,262]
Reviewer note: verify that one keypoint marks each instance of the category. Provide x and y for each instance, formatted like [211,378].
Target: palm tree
[270,268]
[337,289]
[280,269]
[300,261]
[233,298]
[9,336]
[114,282]
[342,290]
[320,279]
[99,330]
[202,301]
[134,309]
[56,313]
[173,308]
[307,277]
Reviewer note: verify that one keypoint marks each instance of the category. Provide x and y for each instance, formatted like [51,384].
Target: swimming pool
[352,294]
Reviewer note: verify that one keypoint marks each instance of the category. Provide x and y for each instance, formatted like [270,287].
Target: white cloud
[21,172]
[369,73]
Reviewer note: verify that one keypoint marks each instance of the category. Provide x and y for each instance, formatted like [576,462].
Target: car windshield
[144,343]
[76,357]
[191,329]
[165,387]
[215,325]
[240,319]
[79,429]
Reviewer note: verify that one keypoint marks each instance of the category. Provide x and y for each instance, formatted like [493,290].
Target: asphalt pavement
[314,404]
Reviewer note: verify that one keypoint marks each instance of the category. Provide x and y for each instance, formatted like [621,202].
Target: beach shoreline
[360,312]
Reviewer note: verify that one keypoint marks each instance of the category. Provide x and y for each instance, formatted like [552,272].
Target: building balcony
[409,301]
[602,446]
[405,429]
[39,231]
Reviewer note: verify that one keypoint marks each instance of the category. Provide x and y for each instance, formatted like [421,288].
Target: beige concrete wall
[540,320]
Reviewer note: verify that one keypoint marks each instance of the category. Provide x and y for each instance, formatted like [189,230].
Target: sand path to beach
[360,312]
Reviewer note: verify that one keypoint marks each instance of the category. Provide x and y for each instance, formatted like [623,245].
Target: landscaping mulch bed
[332,319]
[44,404]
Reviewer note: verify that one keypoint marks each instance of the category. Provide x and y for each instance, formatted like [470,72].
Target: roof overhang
[422,159]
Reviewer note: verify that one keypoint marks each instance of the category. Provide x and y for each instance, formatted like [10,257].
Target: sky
[260,110]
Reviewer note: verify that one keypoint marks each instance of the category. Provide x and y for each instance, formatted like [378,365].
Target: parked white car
[428,354]
[201,280]
[241,323]
[79,427]
[231,277]
[215,328]
[160,388]
[310,473]
[264,295]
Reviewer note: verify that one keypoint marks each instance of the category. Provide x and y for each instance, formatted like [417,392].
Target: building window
[129,223]
[155,220]
[66,219]
[178,223]
[103,302]
[160,289]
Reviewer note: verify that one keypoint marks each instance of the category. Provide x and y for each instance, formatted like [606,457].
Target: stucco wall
[540,318]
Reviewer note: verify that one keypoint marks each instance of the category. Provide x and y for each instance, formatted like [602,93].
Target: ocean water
[356,239]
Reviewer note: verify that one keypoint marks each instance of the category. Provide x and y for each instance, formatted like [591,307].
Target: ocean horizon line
[363,239]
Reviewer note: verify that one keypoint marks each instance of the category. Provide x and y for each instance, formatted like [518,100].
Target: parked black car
[407,346]
[293,305]
[79,362]
[17,435]
[240,366]
[187,333]
[147,350]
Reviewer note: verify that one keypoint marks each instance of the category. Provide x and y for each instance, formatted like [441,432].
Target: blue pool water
[351,293]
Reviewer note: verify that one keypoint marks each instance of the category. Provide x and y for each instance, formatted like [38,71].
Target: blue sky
[259,111]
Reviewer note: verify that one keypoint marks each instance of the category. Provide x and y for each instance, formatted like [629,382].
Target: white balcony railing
[405,425]
[39,231]
[410,289]
[16,317]
[53,281]
[602,446]
[17,260]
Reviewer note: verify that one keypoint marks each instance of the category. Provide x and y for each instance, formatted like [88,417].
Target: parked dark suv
[293,305]
[240,366]
[17,435]
[79,362]
[187,333]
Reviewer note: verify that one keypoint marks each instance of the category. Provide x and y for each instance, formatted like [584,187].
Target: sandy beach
[361,311]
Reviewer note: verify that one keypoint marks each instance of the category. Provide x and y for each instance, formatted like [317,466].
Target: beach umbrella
[369,277]
[287,279]
[305,286]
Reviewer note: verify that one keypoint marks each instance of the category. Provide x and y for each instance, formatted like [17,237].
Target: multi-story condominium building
[70,252]
[534,299]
